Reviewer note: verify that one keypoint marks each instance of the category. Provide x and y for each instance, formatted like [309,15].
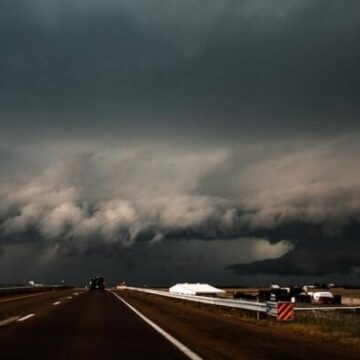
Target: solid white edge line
[9,320]
[180,346]
[26,317]
[56,303]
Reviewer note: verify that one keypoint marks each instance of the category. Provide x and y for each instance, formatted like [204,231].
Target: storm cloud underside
[156,127]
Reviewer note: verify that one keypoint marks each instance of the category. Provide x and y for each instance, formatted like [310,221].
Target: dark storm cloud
[261,95]
[96,204]
[316,252]
[283,64]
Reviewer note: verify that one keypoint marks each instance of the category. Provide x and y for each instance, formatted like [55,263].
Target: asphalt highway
[78,325]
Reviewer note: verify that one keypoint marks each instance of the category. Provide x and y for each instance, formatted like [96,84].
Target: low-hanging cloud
[92,203]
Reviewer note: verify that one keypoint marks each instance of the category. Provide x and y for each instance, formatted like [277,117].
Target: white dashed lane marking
[9,320]
[26,317]
[18,318]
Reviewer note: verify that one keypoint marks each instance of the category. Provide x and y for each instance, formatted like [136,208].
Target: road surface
[93,325]
[99,325]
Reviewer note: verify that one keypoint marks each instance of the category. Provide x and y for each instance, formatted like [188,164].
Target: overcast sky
[161,141]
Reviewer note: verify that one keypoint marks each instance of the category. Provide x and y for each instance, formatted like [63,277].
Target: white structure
[195,289]
[316,295]
[274,286]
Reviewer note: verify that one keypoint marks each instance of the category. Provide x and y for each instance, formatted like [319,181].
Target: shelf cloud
[90,203]
[129,128]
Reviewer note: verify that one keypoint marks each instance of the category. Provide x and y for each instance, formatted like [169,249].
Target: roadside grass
[340,326]
[330,326]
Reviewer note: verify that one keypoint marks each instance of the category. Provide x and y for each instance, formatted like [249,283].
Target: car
[97,283]
[121,285]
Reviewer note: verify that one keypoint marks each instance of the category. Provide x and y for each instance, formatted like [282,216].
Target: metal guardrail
[239,304]
[270,307]
[326,308]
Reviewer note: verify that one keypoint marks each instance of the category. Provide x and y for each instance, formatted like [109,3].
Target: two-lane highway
[92,325]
